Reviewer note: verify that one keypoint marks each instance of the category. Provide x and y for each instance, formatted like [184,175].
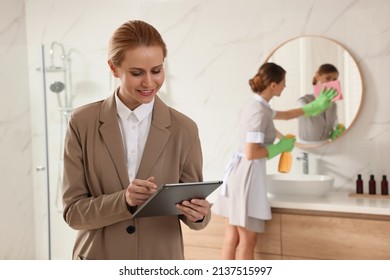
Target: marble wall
[16,199]
[214,47]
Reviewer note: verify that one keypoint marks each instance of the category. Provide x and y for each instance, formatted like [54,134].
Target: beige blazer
[95,181]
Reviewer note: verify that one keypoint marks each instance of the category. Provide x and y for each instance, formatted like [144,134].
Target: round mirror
[301,58]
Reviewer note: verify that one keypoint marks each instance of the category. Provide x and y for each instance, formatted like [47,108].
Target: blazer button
[130,229]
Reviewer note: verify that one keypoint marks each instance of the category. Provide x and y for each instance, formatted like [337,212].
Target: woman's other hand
[195,209]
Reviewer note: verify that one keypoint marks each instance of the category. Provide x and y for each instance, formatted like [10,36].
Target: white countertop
[336,201]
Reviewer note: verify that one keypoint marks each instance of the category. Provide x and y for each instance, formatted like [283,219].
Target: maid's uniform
[243,196]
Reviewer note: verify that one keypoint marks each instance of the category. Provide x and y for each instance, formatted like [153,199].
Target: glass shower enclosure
[55,71]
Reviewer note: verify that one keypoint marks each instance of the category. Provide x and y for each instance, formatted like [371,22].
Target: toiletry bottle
[359,184]
[384,186]
[285,159]
[372,185]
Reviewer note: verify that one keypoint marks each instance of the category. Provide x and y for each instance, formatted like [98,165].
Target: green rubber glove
[286,144]
[321,103]
[340,128]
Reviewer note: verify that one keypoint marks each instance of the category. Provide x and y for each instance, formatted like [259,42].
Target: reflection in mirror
[301,57]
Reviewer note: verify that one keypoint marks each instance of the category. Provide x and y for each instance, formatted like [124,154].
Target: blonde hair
[130,35]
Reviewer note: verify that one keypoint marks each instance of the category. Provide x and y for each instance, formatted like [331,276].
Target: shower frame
[64,106]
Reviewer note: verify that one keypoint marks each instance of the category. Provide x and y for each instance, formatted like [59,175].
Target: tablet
[163,201]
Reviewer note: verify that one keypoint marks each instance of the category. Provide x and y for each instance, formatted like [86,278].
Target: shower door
[55,72]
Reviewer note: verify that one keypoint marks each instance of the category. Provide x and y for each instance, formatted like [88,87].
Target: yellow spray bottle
[285,160]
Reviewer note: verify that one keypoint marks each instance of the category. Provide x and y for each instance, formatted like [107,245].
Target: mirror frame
[358,111]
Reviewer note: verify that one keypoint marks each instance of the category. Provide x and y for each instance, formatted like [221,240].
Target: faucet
[305,162]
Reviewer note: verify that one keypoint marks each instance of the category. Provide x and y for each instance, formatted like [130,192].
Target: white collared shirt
[134,126]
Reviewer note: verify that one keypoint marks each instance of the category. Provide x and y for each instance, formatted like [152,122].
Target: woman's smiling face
[141,74]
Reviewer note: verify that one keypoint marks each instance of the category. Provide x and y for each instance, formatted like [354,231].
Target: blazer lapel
[112,137]
[157,138]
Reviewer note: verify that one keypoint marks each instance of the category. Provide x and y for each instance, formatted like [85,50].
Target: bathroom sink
[299,184]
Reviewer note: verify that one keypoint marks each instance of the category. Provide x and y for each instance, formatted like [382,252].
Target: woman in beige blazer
[118,150]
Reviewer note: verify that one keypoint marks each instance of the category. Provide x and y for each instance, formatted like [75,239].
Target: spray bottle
[285,160]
